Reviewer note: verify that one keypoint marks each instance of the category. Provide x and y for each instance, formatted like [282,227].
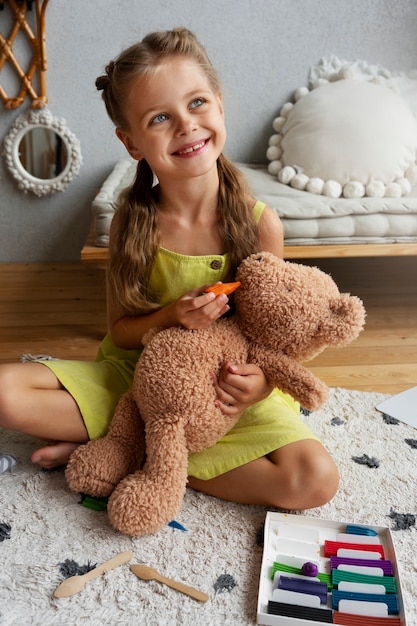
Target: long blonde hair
[136,245]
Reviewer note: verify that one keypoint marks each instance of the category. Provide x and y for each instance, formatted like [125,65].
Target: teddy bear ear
[346,321]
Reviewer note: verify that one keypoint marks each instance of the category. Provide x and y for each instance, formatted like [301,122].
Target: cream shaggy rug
[45,531]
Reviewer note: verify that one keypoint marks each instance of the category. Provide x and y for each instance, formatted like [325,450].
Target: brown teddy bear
[285,313]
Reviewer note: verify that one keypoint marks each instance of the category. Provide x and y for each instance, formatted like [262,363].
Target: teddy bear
[285,313]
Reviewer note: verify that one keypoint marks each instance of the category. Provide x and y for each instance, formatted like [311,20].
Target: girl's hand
[239,386]
[196,310]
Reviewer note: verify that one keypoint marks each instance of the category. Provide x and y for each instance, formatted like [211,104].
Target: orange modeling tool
[219,288]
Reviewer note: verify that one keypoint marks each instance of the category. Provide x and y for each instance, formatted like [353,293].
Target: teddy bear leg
[98,466]
[150,498]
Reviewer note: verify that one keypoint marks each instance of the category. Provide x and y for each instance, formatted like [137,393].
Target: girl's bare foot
[54,455]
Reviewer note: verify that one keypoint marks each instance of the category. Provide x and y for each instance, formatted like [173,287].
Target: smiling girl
[186,222]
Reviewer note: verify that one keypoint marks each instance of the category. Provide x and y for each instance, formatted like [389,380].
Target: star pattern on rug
[337,421]
[370,461]
[224,583]
[71,568]
[5,531]
[402,521]
[390,420]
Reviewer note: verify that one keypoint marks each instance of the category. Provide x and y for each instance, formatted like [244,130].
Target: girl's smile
[192,150]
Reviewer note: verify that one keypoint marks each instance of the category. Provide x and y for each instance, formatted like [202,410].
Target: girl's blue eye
[196,103]
[158,119]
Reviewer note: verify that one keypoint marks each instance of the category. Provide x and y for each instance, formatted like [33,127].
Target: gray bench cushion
[307,218]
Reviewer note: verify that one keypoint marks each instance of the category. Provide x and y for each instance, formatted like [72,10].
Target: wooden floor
[59,309]
[56,309]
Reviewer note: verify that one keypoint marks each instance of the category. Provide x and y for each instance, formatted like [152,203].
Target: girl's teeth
[196,147]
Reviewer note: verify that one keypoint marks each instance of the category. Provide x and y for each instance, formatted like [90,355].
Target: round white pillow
[358,134]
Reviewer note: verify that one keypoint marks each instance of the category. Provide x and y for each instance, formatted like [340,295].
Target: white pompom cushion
[346,138]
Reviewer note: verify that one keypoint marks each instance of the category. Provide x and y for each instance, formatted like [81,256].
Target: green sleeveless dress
[98,385]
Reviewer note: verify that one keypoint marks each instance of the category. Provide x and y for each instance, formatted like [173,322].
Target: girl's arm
[271,233]
[194,310]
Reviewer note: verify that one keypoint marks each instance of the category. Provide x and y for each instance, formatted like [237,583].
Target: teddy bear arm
[292,377]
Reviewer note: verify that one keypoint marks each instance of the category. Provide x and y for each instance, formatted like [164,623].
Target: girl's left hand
[239,386]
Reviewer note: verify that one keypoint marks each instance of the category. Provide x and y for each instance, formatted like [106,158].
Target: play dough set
[318,571]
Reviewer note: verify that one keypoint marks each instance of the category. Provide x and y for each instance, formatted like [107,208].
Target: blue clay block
[390,599]
[353,529]
[311,587]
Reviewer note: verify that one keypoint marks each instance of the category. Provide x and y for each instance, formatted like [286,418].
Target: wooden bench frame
[94,255]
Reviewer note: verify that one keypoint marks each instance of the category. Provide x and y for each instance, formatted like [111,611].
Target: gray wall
[263,50]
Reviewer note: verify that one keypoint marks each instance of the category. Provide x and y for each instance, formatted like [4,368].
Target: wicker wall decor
[32,80]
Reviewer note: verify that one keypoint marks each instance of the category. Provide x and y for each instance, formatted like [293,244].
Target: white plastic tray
[303,537]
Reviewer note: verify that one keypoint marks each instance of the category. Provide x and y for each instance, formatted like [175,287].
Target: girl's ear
[220,99]
[127,142]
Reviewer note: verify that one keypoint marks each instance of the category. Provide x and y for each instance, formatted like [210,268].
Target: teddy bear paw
[139,506]
[91,472]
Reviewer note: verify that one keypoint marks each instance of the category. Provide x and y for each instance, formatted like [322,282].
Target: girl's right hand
[196,310]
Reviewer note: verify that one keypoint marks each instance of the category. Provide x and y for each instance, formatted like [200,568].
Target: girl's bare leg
[298,476]
[32,401]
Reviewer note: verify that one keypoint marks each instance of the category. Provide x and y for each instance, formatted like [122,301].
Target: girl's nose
[185,124]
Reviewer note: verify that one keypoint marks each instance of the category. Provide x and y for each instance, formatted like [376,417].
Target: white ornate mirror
[41,153]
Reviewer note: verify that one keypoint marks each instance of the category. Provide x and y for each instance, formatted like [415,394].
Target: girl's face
[175,121]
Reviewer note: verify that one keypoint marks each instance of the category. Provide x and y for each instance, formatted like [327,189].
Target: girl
[168,241]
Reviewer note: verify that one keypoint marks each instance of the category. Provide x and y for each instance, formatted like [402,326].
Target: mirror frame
[26,182]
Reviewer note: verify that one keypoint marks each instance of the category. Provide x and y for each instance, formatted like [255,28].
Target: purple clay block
[310,587]
[383,564]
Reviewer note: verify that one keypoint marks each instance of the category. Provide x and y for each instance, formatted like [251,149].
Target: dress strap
[258,210]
